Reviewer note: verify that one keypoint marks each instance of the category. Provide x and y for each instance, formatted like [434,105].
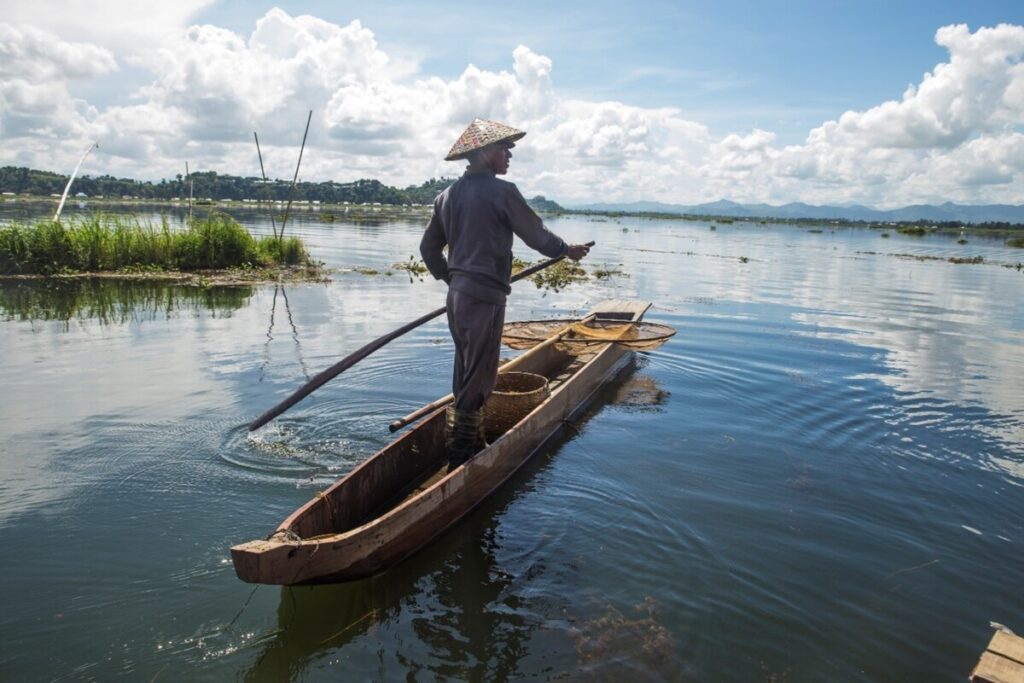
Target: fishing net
[640,336]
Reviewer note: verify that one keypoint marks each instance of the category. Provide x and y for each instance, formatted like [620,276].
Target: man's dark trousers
[476,329]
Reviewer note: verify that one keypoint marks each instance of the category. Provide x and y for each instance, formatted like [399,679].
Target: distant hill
[539,203]
[948,212]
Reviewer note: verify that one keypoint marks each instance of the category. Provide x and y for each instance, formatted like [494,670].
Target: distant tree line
[211,185]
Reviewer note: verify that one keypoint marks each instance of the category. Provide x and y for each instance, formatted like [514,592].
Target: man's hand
[577,251]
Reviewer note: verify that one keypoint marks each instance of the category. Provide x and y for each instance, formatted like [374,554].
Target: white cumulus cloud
[958,134]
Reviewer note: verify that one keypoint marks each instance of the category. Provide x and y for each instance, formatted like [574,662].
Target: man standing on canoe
[476,218]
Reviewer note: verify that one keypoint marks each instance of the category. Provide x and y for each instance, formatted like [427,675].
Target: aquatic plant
[414,267]
[104,243]
[1016,242]
[606,271]
[556,277]
[914,230]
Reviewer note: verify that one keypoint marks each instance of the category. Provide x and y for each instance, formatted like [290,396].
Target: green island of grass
[215,249]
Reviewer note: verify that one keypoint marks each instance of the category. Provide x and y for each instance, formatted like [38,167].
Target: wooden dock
[1002,661]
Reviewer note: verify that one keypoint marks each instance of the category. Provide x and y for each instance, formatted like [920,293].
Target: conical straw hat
[481,133]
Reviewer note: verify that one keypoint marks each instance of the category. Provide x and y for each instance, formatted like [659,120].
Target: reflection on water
[112,301]
[280,289]
[463,614]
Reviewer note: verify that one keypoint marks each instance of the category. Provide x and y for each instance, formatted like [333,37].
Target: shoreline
[330,212]
[224,277]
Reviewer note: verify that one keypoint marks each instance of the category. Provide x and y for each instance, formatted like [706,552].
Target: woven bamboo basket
[515,394]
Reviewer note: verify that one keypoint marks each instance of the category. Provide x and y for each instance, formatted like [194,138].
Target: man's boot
[464,435]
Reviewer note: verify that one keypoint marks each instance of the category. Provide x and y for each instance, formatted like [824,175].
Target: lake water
[820,478]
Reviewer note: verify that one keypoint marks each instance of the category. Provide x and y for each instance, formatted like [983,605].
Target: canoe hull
[297,554]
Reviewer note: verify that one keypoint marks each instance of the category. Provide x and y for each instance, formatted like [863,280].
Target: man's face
[497,156]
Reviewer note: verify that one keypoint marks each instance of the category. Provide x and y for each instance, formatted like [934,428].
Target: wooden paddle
[344,364]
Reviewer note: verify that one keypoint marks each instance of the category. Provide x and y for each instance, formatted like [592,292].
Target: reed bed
[105,243]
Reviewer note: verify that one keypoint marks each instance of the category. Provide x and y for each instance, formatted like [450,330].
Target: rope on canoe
[247,601]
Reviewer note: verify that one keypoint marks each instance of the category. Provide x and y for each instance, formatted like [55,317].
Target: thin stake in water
[188,177]
[266,188]
[67,188]
[291,190]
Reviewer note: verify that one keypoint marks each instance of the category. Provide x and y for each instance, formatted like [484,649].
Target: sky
[884,104]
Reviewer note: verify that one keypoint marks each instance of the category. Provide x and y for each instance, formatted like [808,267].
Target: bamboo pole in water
[266,187]
[67,188]
[291,190]
[188,177]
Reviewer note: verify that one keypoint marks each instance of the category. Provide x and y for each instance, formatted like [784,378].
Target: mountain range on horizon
[948,211]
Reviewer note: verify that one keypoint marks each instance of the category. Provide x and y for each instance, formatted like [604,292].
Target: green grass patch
[1016,242]
[108,243]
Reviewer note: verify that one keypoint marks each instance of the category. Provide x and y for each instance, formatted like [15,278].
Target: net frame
[642,335]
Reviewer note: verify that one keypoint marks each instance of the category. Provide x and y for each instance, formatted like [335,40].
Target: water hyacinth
[103,242]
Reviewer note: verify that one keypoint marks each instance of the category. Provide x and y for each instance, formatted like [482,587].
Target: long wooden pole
[507,367]
[188,177]
[266,187]
[344,364]
[67,188]
[291,190]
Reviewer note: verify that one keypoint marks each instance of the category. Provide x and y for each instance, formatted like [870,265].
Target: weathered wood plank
[993,668]
[1008,645]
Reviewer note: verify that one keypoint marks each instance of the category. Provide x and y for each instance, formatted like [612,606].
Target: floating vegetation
[815,231]
[913,230]
[1016,242]
[558,276]
[366,271]
[967,259]
[744,259]
[885,235]
[615,646]
[554,277]
[414,267]
[606,271]
[961,241]
[113,244]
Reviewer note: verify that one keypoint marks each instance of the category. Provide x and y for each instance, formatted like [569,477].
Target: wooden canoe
[403,497]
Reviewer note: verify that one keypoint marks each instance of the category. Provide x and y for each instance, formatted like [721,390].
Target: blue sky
[676,101]
[730,63]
